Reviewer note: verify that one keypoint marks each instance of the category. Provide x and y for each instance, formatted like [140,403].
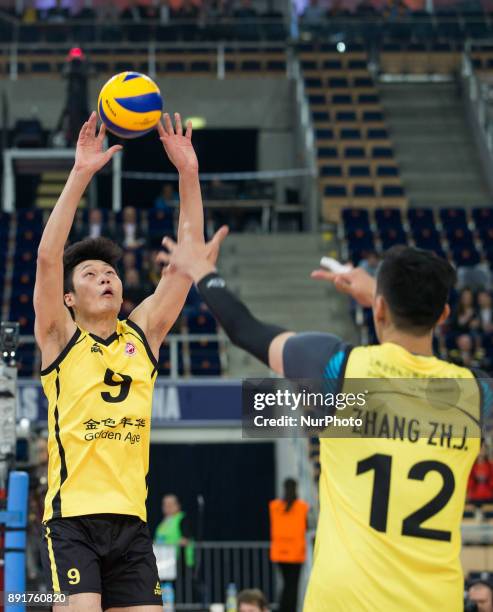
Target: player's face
[97,289]
[482,597]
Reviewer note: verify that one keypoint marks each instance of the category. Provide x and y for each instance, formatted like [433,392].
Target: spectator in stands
[313,14]
[465,318]
[134,13]
[57,14]
[246,15]
[481,593]
[95,225]
[465,352]
[30,13]
[153,268]
[131,239]
[166,198]
[369,263]
[175,530]
[366,8]
[288,525]
[485,311]
[475,277]
[252,600]
[480,485]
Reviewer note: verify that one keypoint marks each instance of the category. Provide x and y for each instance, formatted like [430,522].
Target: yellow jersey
[391,495]
[99,417]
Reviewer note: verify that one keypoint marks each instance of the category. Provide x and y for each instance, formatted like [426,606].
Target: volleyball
[130,104]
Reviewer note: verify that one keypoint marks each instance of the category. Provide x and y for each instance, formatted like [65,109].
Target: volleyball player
[388,536]
[98,374]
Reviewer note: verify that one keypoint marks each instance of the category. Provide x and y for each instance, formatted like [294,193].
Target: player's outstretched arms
[158,313]
[262,340]
[357,283]
[53,326]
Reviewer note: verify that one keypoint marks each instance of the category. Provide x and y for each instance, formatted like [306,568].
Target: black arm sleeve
[240,325]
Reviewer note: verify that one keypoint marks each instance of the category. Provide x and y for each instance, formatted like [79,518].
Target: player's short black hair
[100,248]
[416,285]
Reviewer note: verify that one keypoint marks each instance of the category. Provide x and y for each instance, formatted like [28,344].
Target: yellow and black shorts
[109,554]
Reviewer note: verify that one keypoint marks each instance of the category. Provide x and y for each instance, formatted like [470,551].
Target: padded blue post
[15,537]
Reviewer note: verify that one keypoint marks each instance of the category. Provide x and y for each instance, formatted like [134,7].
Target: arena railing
[271,209]
[271,27]
[478,95]
[217,564]
[173,341]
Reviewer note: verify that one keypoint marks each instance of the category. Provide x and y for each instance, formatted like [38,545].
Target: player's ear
[68,298]
[445,314]
[380,308]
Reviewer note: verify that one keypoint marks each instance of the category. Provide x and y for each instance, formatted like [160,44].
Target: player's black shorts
[109,554]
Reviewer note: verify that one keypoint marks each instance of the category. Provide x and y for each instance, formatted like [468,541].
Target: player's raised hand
[89,153]
[178,146]
[357,283]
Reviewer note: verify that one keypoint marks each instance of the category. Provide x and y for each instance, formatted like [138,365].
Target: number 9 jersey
[392,494]
[99,395]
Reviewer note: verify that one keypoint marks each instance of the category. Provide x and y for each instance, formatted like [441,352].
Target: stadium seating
[351,135]
[17,277]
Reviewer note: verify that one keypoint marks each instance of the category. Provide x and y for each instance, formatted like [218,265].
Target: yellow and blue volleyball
[130,104]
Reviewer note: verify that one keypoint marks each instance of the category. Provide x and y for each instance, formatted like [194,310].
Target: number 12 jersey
[392,495]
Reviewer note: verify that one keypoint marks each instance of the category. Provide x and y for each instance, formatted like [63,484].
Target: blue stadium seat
[164,362]
[486,235]
[453,217]
[357,64]
[388,218]
[387,171]
[337,83]
[335,191]
[392,191]
[391,236]
[350,134]
[331,171]
[341,99]
[420,217]
[354,153]
[327,152]
[346,116]
[201,322]
[483,217]
[363,82]
[459,237]
[359,171]
[320,116]
[361,239]
[28,218]
[25,360]
[427,238]
[205,365]
[354,218]
[382,152]
[364,191]
[332,64]
[312,82]
[368,99]
[377,134]
[465,256]
[372,116]
[324,134]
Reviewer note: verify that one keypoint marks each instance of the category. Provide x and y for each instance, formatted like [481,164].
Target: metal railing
[172,340]
[217,564]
